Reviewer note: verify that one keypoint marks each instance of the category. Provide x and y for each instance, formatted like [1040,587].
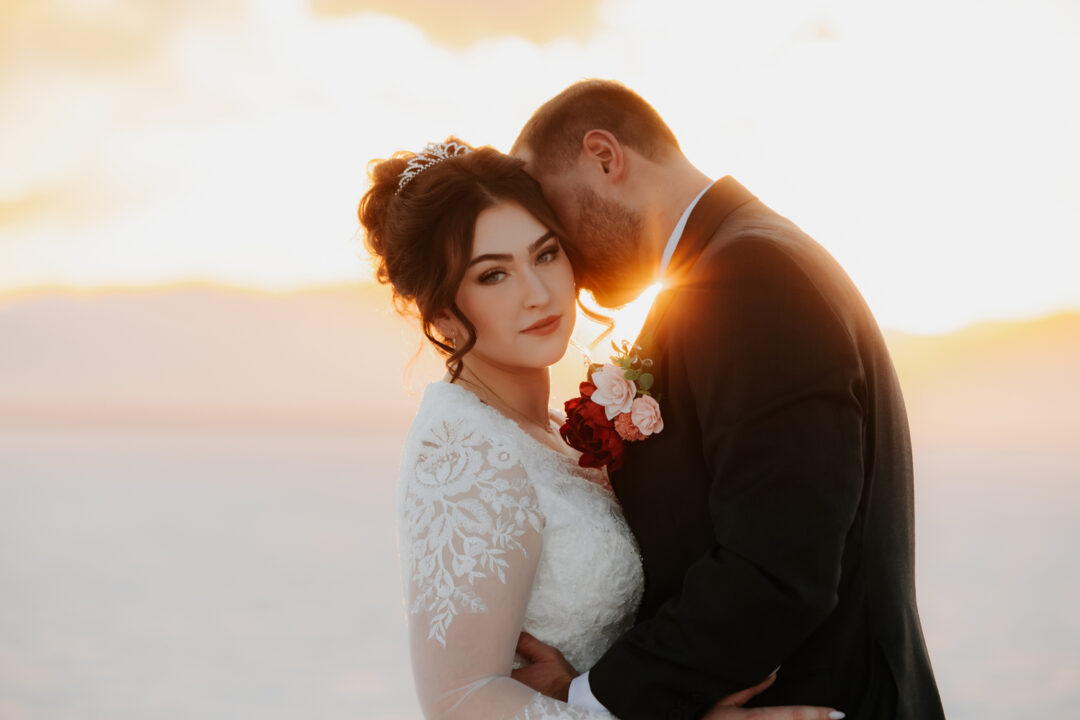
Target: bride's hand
[729,708]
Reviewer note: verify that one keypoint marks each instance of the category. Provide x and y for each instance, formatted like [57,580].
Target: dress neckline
[499,417]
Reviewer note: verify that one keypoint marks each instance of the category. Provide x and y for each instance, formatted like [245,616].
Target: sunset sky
[932,146]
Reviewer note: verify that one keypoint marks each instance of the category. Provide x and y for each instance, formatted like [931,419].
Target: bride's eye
[548,255]
[491,277]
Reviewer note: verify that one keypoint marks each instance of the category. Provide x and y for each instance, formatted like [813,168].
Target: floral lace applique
[467,505]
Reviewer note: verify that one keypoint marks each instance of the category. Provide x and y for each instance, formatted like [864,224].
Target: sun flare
[628,321]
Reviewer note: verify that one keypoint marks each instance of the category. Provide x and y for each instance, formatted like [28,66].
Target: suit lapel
[721,199]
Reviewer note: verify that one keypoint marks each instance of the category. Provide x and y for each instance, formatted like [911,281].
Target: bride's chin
[552,355]
[549,360]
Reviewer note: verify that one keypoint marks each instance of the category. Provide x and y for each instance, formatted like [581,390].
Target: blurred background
[203,396]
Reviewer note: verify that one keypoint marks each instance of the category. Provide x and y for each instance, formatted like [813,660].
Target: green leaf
[622,362]
[631,375]
[645,381]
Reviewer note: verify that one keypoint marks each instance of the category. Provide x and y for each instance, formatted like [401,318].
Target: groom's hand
[786,712]
[730,707]
[744,696]
[548,672]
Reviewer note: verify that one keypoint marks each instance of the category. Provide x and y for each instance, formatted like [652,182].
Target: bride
[502,533]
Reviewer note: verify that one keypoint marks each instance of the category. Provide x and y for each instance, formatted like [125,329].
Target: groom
[774,512]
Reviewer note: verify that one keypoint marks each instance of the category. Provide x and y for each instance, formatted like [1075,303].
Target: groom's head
[598,150]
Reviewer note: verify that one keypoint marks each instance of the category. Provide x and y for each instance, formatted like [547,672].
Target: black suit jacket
[774,512]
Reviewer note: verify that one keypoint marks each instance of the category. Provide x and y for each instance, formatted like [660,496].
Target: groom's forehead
[542,171]
[525,153]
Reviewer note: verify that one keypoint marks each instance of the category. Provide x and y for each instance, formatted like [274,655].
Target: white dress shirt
[676,234]
[580,693]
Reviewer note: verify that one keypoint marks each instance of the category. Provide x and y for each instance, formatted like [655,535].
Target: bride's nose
[536,290]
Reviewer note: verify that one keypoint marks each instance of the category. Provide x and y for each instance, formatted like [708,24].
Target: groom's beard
[613,264]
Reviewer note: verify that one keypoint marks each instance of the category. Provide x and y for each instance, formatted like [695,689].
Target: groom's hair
[554,132]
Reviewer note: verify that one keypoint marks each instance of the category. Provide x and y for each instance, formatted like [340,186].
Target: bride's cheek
[563,277]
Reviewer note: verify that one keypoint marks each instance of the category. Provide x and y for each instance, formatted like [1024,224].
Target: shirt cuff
[580,695]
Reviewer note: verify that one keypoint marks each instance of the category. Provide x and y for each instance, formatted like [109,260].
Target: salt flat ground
[227,574]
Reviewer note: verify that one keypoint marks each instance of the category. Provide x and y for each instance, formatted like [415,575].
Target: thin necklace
[546,427]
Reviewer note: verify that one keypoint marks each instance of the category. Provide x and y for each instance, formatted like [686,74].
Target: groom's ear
[603,153]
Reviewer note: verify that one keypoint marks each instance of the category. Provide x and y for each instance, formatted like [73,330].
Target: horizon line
[29,292]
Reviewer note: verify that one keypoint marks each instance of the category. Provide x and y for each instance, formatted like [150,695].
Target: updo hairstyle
[421,237]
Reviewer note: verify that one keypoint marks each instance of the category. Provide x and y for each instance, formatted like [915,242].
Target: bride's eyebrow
[504,257]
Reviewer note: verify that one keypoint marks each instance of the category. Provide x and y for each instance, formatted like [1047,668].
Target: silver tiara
[432,154]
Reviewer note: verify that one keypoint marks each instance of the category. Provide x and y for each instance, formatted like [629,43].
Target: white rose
[613,391]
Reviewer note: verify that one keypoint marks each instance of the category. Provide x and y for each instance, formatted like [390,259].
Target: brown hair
[422,236]
[555,131]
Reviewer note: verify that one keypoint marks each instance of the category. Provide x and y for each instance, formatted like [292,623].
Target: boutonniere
[615,407]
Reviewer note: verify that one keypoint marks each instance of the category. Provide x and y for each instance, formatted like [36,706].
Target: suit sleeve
[778,393]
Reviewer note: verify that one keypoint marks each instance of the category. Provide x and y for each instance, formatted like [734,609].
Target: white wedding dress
[499,534]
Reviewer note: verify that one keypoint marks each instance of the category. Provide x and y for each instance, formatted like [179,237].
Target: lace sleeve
[471,539]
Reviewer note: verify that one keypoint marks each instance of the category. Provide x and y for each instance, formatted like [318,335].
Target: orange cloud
[100,36]
[35,205]
[463,24]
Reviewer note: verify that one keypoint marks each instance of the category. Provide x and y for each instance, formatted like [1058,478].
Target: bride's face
[518,291]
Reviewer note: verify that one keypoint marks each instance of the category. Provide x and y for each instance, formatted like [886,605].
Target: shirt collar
[676,234]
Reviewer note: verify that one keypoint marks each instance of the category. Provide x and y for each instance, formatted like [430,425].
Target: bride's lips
[544,327]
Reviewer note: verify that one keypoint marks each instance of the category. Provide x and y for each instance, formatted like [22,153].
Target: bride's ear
[603,153]
[447,325]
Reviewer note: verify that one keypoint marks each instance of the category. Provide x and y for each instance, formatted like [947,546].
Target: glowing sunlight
[228,142]
[204,394]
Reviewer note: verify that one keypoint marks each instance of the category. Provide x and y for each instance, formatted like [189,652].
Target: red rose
[587,429]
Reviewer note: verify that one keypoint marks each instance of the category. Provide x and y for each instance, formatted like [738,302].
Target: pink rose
[613,391]
[645,412]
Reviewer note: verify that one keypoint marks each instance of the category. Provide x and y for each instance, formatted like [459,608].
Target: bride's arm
[471,539]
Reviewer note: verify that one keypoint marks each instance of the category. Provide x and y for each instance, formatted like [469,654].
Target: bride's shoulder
[451,416]
[444,403]
[458,447]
